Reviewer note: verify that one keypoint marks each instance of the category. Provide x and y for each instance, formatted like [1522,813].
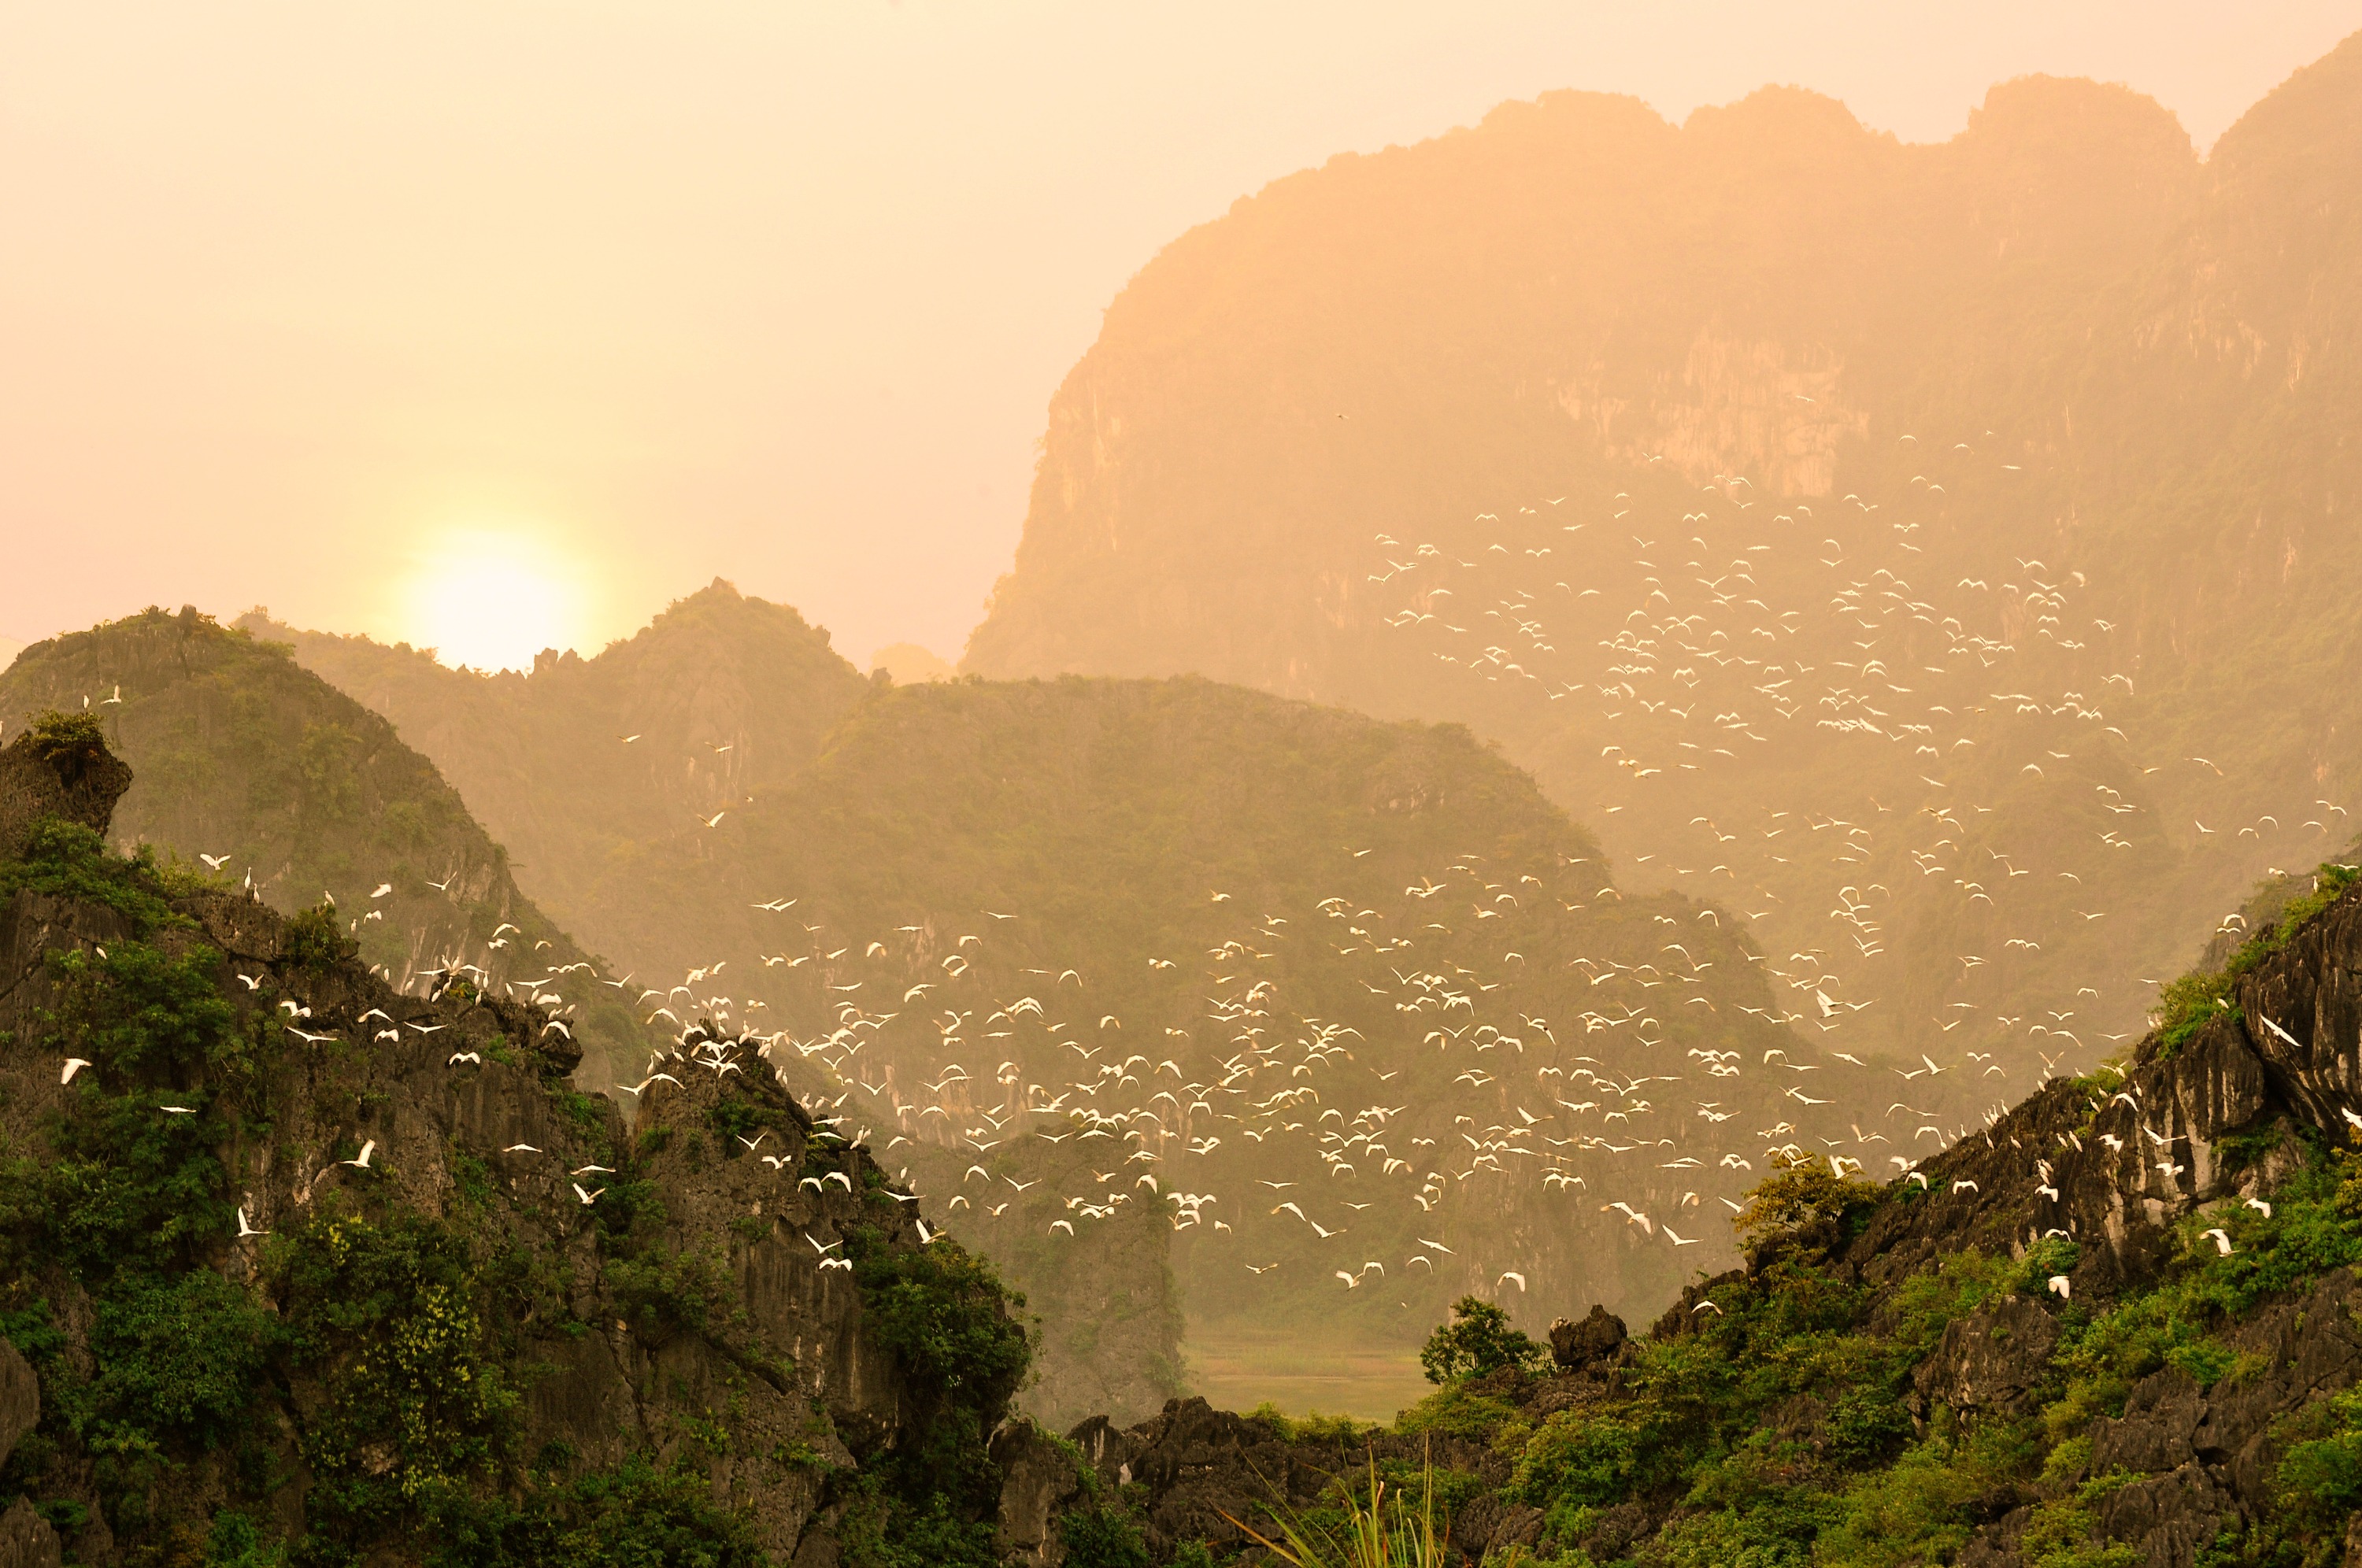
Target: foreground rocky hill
[2118,1327]
[307,1267]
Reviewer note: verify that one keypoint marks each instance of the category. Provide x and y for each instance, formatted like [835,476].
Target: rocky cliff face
[305,1260]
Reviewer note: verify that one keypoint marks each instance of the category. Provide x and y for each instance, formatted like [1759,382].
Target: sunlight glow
[490,597]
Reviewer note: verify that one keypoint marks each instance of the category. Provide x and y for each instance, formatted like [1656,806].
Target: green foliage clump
[1801,1192]
[313,940]
[1103,1535]
[131,1183]
[176,1358]
[736,1116]
[235,1540]
[2183,1007]
[1776,1429]
[1477,1342]
[67,737]
[943,1313]
[1310,1427]
[67,860]
[951,1329]
[2320,1475]
[662,1294]
[392,1319]
[639,1514]
[1457,1410]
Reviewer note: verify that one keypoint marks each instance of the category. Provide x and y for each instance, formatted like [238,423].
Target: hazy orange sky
[490,323]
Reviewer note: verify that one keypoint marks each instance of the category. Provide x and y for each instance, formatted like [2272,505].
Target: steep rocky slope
[2116,1327]
[1980,504]
[313,1269]
[241,757]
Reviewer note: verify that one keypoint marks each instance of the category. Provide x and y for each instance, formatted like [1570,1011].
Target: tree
[1477,1341]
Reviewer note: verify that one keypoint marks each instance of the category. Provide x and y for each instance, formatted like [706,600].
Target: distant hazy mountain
[1087,954]
[1944,553]
[908,663]
[585,769]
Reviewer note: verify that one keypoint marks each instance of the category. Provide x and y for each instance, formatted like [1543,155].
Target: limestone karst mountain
[293,1290]
[1939,553]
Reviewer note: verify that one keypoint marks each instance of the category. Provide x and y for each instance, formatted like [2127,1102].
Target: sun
[492,598]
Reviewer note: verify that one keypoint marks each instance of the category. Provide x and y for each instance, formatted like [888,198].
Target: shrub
[130,1183]
[179,1357]
[1456,1411]
[1102,1536]
[640,1514]
[67,737]
[313,940]
[664,1293]
[67,860]
[1476,1341]
[1581,1457]
[390,1320]
[235,1540]
[944,1316]
[1801,1190]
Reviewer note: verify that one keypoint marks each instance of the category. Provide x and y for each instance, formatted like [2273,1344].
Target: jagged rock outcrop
[1575,1346]
[1993,1359]
[1202,1469]
[2112,1168]
[76,782]
[672,1289]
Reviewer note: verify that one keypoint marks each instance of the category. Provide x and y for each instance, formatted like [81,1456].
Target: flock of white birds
[1894,753]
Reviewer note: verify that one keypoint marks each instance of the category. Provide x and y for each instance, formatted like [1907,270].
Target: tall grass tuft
[1387,1532]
